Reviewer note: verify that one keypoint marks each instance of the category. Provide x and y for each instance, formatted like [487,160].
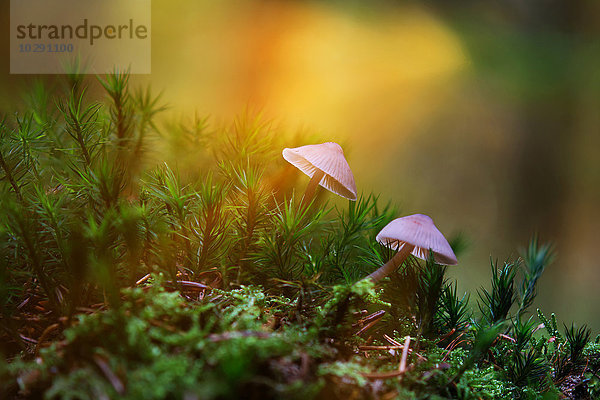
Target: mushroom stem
[391,265]
[309,193]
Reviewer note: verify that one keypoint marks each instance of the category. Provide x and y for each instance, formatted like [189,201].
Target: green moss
[349,370]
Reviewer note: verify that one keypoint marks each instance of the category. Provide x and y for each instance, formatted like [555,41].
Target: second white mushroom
[416,235]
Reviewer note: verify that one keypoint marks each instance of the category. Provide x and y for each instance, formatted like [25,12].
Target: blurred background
[483,115]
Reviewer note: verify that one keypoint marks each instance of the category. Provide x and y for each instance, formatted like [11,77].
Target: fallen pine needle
[402,366]
[410,351]
[109,374]
[46,332]
[392,341]
[381,375]
[143,279]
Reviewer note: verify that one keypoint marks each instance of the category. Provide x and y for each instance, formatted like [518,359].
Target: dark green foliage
[577,339]
[483,339]
[495,305]
[427,299]
[147,107]
[12,161]
[454,312]
[24,230]
[82,126]
[281,251]
[351,232]
[551,325]
[211,224]
[250,216]
[121,115]
[536,258]
[523,362]
[400,290]
[528,368]
[522,332]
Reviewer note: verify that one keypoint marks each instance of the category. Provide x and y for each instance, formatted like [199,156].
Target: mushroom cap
[329,158]
[419,231]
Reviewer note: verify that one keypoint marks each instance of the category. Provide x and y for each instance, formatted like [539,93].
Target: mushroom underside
[421,252]
[329,181]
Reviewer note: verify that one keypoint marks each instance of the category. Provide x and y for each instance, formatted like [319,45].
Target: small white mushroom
[326,166]
[414,234]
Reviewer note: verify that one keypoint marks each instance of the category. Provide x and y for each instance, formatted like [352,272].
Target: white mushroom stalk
[392,264]
[314,182]
[326,166]
[416,235]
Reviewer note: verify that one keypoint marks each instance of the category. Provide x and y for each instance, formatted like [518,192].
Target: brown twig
[392,341]
[190,285]
[410,351]
[452,345]
[380,347]
[368,318]
[367,327]
[27,339]
[381,375]
[23,303]
[143,279]
[45,334]
[216,281]
[447,335]
[506,337]
[402,365]
[109,374]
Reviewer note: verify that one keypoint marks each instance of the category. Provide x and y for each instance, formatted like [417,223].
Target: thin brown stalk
[402,365]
